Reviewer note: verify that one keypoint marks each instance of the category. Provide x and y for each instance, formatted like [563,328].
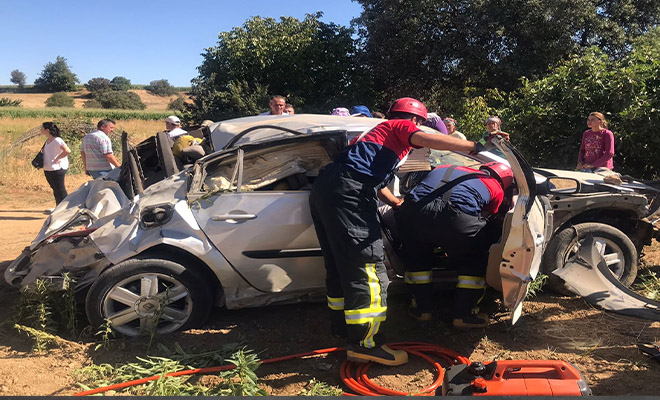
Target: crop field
[37,100]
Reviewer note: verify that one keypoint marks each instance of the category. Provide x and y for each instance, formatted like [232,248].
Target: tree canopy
[18,78]
[489,44]
[310,62]
[57,77]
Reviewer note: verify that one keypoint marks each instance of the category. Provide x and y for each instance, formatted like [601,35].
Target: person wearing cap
[434,121]
[277,105]
[493,127]
[450,124]
[341,111]
[173,127]
[343,204]
[361,111]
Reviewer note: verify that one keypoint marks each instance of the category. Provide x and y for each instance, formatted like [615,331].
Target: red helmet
[410,106]
[500,171]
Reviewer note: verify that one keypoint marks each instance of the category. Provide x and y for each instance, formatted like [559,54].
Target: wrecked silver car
[162,240]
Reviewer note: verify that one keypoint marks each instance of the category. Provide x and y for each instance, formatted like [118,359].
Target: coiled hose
[360,384]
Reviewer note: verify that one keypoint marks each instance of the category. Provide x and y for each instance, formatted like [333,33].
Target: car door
[515,261]
[258,221]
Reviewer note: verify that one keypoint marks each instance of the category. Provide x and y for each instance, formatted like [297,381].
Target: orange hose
[361,384]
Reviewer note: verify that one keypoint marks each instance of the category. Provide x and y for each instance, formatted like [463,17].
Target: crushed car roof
[222,132]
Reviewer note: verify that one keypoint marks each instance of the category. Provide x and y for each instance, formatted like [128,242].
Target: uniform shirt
[470,196]
[96,145]
[52,150]
[381,150]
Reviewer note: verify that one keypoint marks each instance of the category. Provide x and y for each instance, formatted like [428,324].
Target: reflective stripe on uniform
[418,278]
[372,315]
[336,303]
[471,282]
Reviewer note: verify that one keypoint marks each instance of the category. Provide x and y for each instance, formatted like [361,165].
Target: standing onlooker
[450,124]
[277,104]
[56,161]
[493,127]
[436,123]
[173,127]
[341,112]
[361,111]
[288,109]
[597,148]
[96,150]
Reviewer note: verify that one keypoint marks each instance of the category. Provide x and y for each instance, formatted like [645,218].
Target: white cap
[173,119]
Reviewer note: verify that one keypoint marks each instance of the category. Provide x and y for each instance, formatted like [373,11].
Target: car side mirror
[558,185]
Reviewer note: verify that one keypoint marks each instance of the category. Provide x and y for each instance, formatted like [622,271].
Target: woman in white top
[56,161]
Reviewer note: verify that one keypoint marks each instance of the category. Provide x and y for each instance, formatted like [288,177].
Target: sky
[140,40]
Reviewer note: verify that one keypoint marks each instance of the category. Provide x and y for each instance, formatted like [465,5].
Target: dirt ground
[602,345]
[38,100]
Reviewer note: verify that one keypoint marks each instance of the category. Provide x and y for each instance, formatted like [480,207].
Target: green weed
[649,285]
[237,382]
[106,333]
[536,285]
[316,388]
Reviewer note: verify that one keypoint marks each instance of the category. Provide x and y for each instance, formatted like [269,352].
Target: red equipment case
[515,378]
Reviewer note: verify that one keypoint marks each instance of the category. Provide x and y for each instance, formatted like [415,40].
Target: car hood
[593,179]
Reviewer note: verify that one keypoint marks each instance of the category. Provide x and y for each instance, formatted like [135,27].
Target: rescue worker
[343,203]
[449,209]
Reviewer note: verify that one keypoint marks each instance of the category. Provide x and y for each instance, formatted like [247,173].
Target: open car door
[515,261]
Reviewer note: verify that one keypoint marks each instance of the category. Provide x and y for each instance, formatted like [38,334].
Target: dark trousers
[344,210]
[422,228]
[56,181]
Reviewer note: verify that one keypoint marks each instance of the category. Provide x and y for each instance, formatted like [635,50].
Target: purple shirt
[597,149]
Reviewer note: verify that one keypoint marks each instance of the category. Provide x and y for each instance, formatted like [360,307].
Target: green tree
[56,77]
[120,83]
[310,62]
[18,78]
[59,99]
[119,99]
[97,84]
[178,104]
[554,109]
[487,44]
[160,87]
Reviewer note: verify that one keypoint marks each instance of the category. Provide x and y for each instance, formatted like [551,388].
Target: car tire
[563,244]
[165,155]
[136,292]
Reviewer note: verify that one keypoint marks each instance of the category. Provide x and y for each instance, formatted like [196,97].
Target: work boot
[381,355]
[338,324]
[418,315]
[471,321]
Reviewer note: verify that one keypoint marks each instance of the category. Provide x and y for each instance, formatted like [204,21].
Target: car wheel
[141,295]
[620,253]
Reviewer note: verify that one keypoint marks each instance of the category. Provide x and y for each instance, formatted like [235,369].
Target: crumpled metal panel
[589,276]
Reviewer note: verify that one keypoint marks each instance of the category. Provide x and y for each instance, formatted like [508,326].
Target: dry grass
[38,100]
[19,178]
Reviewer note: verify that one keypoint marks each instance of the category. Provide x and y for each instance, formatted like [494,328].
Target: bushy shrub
[115,99]
[120,83]
[7,102]
[59,99]
[178,104]
[98,84]
[160,88]
[92,103]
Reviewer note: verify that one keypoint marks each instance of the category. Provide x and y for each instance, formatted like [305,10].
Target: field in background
[37,100]
[17,176]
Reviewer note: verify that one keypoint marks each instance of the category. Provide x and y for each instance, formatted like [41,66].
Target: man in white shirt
[173,127]
[277,105]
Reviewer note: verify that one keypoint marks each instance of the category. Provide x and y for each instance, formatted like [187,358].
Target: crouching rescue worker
[449,209]
[343,203]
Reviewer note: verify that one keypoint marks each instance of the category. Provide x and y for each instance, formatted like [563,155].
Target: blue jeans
[96,174]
